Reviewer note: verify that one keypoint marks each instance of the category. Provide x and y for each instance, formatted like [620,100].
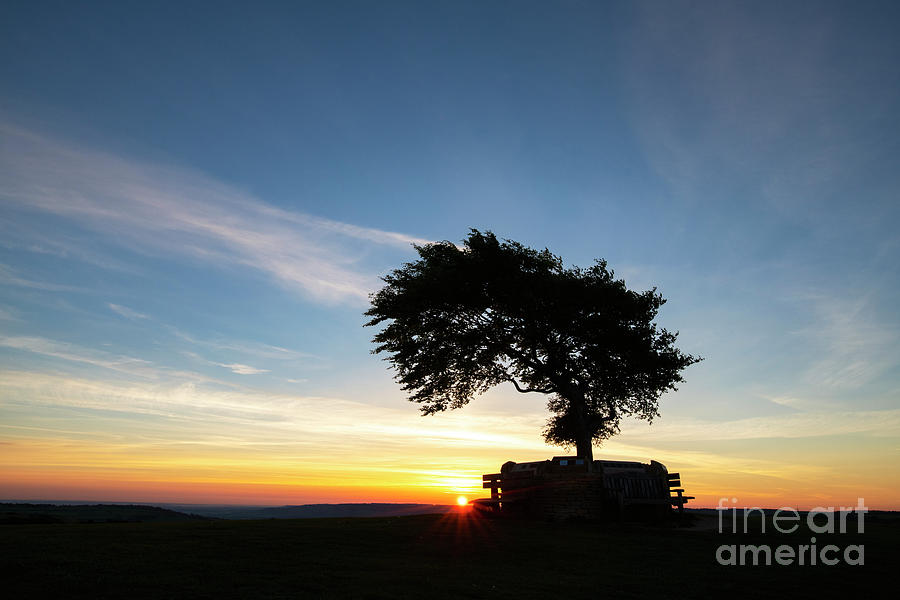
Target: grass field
[431,556]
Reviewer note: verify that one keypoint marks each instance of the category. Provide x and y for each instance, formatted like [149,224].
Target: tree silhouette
[462,320]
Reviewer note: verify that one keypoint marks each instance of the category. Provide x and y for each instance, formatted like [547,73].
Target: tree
[462,320]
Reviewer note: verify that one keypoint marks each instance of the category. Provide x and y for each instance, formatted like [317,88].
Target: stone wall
[564,488]
[557,498]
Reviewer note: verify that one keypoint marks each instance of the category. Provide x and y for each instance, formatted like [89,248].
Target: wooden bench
[645,491]
[492,481]
[492,504]
[680,500]
[622,489]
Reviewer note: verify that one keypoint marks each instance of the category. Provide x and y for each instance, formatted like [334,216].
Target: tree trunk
[584,443]
[585,450]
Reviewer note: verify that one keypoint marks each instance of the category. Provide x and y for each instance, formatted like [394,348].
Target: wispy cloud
[255,349]
[854,343]
[795,403]
[78,354]
[258,417]
[9,277]
[30,237]
[759,103]
[126,312]
[170,210]
[242,369]
[796,425]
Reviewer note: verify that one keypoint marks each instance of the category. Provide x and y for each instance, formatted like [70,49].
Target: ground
[438,556]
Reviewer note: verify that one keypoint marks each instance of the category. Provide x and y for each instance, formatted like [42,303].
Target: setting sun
[462,500]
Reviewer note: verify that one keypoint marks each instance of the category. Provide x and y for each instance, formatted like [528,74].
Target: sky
[196,200]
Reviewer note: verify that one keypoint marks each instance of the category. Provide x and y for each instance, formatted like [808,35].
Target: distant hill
[19,514]
[312,511]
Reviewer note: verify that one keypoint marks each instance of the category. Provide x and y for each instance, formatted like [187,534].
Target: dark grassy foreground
[434,556]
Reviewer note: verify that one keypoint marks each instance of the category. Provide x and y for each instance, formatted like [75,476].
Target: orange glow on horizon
[63,485]
[92,471]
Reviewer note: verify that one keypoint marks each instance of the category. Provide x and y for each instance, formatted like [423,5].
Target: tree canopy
[461,320]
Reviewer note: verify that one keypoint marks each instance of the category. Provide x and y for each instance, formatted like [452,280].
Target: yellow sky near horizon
[67,438]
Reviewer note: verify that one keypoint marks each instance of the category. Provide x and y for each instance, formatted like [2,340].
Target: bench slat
[487,501]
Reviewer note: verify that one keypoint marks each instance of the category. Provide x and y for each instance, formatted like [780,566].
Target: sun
[462,500]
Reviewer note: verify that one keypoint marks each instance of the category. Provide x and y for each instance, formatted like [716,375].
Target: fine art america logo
[787,520]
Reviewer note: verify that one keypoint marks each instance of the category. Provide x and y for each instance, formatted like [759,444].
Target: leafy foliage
[462,320]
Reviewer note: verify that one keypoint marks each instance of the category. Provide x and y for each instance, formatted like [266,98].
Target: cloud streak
[78,354]
[9,277]
[126,312]
[166,210]
[256,349]
[759,102]
[242,369]
[857,345]
[882,423]
[263,418]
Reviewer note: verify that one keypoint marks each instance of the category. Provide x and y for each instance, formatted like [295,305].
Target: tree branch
[548,390]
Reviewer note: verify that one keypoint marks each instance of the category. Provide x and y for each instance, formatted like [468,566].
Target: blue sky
[196,199]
